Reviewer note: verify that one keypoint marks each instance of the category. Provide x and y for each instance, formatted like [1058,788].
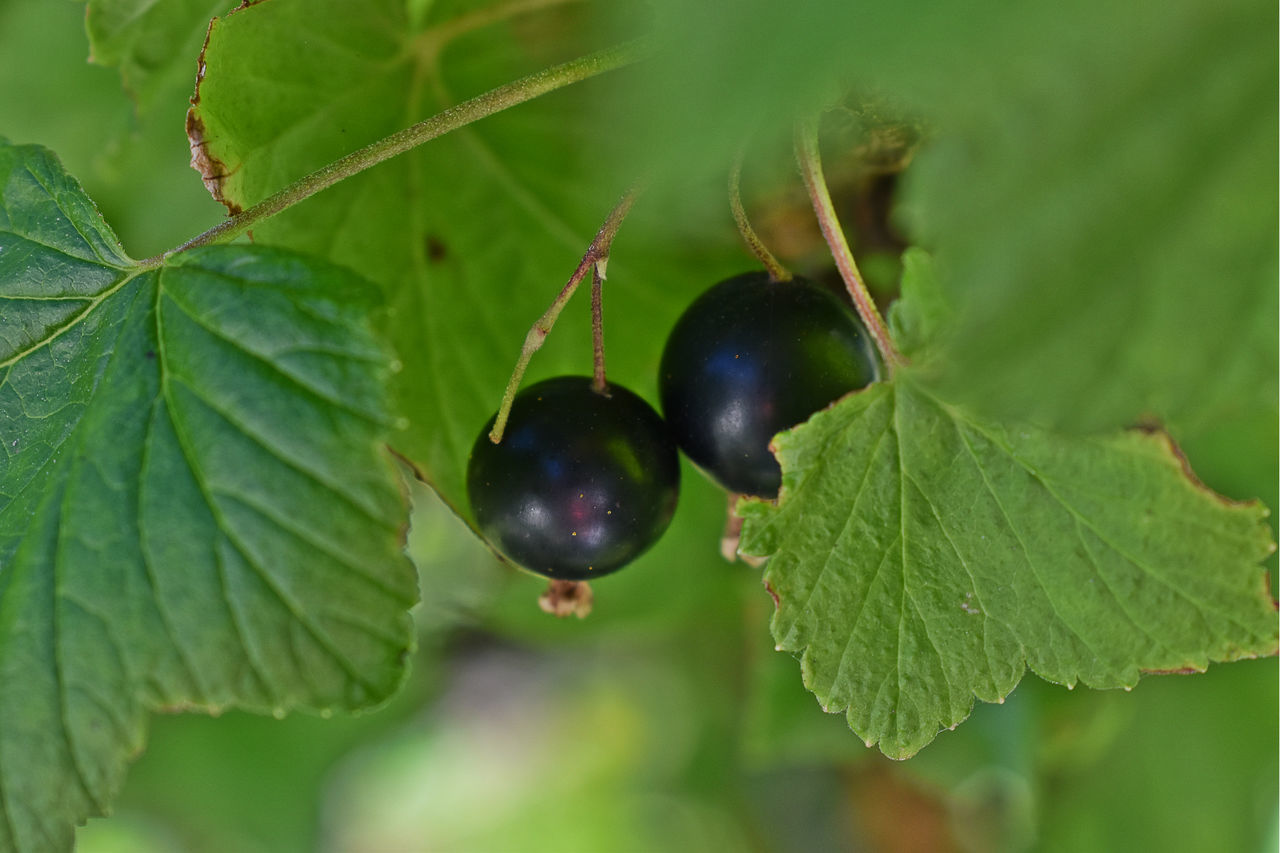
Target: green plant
[197,509]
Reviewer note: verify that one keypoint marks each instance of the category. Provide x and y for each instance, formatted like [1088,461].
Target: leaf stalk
[810,160]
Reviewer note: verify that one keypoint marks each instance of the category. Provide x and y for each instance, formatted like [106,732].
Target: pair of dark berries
[582,483]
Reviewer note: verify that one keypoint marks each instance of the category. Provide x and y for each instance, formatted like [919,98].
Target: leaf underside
[196,508]
[922,557]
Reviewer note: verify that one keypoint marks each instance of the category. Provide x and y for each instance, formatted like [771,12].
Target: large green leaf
[922,557]
[1107,226]
[1099,188]
[196,508]
[471,235]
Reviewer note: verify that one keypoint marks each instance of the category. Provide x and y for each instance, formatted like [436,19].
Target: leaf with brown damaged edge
[213,172]
[946,554]
[777,602]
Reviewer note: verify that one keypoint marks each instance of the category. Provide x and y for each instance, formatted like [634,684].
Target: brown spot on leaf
[436,249]
[777,602]
[1186,670]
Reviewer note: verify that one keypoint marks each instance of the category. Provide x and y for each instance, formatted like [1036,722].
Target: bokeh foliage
[1014,99]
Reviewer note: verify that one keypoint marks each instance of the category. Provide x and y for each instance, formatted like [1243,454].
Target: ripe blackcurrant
[580,484]
[752,357]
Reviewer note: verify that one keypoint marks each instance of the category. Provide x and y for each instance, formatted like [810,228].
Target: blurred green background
[665,721]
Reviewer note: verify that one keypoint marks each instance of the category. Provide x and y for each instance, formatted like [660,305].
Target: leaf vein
[973,581]
[826,563]
[273,366]
[71,323]
[1035,571]
[275,452]
[149,568]
[197,475]
[310,538]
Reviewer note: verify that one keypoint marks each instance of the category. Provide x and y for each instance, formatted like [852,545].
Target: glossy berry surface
[580,484]
[749,358]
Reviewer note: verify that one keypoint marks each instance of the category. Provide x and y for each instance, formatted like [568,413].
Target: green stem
[493,101]
[594,261]
[777,272]
[806,145]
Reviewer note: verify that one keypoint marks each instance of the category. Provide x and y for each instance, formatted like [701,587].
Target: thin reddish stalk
[595,259]
[806,145]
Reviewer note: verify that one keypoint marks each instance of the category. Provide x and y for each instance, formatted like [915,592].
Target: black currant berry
[752,357]
[580,484]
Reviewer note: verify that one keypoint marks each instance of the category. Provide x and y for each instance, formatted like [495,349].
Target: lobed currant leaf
[196,507]
[922,557]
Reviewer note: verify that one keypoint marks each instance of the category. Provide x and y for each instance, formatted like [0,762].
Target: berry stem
[599,384]
[460,115]
[777,272]
[806,145]
[596,259]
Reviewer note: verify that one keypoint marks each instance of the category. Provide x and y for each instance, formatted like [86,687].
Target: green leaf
[471,235]
[153,44]
[196,507]
[921,315]
[1107,225]
[922,557]
[1099,189]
